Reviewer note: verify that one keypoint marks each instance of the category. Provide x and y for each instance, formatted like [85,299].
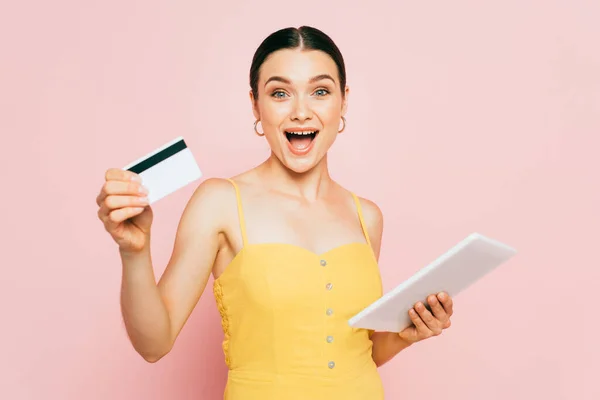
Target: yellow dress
[285,311]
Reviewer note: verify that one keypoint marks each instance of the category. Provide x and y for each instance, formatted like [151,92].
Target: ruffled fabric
[218,292]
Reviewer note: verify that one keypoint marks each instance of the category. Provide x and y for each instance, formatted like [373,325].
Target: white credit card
[166,169]
[452,272]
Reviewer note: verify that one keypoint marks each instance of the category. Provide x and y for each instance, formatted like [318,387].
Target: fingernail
[143,190]
[144,200]
[136,178]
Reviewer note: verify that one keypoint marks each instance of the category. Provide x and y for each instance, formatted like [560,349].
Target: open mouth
[301,140]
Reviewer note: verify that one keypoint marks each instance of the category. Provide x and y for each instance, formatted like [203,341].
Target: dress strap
[362,220]
[240,211]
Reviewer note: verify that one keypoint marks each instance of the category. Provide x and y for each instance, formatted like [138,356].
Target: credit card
[166,169]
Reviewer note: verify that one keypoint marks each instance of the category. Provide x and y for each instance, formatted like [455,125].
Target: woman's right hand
[124,210]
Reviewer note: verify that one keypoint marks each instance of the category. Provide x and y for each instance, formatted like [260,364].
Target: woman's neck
[310,185]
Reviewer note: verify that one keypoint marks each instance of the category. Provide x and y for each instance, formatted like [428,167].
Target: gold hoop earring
[256,130]
[343,126]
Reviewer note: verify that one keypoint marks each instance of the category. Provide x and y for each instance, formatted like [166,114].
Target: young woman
[293,254]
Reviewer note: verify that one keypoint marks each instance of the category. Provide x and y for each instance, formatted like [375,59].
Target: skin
[288,198]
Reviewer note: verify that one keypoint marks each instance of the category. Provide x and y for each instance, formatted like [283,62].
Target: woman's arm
[426,324]
[154,313]
[385,344]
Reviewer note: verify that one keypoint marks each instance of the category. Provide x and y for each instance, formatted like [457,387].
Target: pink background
[464,116]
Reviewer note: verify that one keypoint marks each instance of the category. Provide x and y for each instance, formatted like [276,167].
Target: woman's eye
[322,92]
[278,94]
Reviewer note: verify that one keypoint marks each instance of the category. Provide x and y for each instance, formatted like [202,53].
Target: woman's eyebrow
[311,80]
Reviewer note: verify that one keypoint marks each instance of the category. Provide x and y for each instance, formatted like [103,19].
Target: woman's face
[300,105]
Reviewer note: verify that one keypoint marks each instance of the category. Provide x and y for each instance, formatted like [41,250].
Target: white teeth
[302,133]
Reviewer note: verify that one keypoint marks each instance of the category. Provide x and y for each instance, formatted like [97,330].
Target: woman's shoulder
[371,213]
[370,209]
[211,199]
[214,190]
[219,193]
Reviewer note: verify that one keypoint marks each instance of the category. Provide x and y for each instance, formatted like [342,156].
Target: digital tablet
[454,271]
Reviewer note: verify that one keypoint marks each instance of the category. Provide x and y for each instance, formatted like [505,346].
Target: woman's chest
[316,228]
[289,278]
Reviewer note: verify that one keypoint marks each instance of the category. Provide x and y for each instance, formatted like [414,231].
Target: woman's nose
[301,110]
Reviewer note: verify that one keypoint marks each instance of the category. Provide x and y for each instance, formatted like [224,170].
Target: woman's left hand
[428,323]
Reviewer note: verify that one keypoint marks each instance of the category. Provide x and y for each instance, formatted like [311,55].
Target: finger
[100,198]
[437,308]
[115,202]
[119,215]
[432,323]
[117,174]
[109,224]
[103,212]
[104,215]
[447,303]
[120,188]
[422,329]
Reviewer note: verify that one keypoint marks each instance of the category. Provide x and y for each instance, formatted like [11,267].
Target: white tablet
[452,272]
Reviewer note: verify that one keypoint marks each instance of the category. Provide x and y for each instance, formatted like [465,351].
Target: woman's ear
[254,105]
[345,101]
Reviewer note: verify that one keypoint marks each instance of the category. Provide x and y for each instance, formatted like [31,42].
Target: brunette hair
[305,37]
